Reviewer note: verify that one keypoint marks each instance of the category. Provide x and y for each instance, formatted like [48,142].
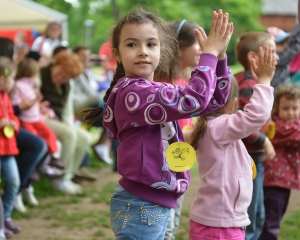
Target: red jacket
[284,169]
[8,146]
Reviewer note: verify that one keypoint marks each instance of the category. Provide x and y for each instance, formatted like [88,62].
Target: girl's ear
[116,55]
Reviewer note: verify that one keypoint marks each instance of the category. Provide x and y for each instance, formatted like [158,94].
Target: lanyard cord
[4,108]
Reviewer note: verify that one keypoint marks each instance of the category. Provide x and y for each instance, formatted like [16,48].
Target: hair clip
[6,72]
[102,105]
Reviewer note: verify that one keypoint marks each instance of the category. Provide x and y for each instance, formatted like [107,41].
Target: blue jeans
[33,149]
[256,210]
[134,218]
[10,176]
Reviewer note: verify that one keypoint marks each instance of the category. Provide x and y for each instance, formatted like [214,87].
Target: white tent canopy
[29,14]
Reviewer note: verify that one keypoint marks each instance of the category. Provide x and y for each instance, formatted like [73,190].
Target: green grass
[236,68]
[290,227]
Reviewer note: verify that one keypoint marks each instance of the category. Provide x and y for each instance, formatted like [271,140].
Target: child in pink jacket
[225,167]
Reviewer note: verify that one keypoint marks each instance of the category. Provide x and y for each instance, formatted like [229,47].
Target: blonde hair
[250,41]
[201,124]
[27,67]
[289,91]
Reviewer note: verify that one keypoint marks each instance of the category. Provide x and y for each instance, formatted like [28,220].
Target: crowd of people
[153,110]
[41,128]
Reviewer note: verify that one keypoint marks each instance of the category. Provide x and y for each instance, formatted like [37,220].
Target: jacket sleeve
[229,128]
[159,102]
[256,139]
[222,89]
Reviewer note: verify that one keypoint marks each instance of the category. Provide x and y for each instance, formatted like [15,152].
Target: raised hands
[263,69]
[219,36]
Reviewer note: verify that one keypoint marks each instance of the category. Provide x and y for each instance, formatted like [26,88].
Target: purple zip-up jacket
[138,112]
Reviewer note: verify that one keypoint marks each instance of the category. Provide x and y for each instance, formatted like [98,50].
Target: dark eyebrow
[134,39]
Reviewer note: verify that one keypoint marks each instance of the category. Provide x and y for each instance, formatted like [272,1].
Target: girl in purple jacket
[143,115]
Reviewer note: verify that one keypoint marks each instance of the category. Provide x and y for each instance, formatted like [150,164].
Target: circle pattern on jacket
[188,104]
[155,114]
[108,114]
[168,96]
[132,102]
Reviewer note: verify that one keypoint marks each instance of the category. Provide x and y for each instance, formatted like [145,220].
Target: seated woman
[56,89]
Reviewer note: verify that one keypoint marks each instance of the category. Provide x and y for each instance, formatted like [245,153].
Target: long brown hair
[27,67]
[168,51]
[183,31]
[201,124]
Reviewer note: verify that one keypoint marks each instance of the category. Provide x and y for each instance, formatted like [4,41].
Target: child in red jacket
[9,126]
[282,172]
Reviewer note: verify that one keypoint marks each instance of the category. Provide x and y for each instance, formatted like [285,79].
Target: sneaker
[76,186]
[56,162]
[8,233]
[51,172]
[9,224]
[66,186]
[84,174]
[28,193]
[102,152]
[19,205]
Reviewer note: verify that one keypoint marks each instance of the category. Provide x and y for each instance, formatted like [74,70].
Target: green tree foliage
[245,14]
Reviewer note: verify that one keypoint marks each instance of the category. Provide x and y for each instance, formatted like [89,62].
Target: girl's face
[189,57]
[59,75]
[139,50]
[54,31]
[289,109]
[7,83]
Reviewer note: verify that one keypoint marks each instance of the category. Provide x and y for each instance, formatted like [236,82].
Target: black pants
[276,200]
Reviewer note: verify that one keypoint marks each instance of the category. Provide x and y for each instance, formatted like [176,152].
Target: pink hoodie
[225,187]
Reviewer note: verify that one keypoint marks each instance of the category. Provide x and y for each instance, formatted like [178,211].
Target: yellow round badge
[253,169]
[180,156]
[8,131]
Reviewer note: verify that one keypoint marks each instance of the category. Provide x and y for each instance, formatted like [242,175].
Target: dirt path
[56,218]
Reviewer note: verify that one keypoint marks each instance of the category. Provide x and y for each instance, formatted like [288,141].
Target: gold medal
[180,156]
[253,168]
[8,131]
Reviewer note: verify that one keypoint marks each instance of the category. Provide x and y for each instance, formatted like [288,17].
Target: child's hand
[219,36]
[263,70]
[4,122]
[26,104]
[269,150]
[13,124]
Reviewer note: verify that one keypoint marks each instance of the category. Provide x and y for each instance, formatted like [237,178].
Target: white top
[48,45]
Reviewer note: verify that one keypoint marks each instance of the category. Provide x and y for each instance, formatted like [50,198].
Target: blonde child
[282,172]
[257,143]
[142,115]
[188,57]
[9,127]
[32,119]
[219,210]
